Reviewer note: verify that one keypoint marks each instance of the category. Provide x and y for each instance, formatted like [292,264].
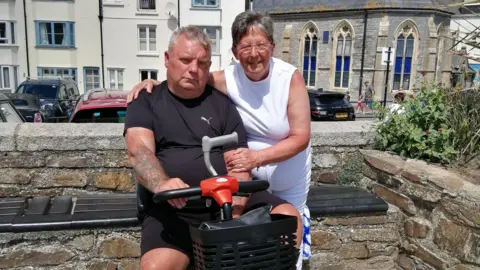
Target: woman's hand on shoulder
[146,84]
[218,81]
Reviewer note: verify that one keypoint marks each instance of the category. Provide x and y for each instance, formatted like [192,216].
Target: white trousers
[296,195]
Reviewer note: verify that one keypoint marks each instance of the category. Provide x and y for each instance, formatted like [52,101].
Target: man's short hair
[192,33]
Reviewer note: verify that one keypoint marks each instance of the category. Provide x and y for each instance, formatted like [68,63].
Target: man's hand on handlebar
[173,183]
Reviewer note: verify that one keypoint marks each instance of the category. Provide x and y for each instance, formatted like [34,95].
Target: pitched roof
[296,6]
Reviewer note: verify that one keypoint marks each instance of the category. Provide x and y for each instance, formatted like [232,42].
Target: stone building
[325,40]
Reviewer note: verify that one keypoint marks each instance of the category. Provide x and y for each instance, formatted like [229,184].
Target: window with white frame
[214,34]
[148,74]
[147,38]
[92,77]
[205,3]
[114,2]
[146,4]
[309,63]
[7,33]
[343,57]
[66,73]
[8,77]
[55,34]
[115,78]
[404,59]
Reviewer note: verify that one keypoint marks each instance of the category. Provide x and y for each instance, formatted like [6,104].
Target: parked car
[29,106]
[327,105]
[101,106]
[57,96]
[8,112]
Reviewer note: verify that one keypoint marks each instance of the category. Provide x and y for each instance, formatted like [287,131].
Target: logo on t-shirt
[206,120]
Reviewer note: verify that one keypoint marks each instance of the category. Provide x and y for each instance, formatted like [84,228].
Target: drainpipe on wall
[365,18]
[26,37]
[178,19]
[100,18]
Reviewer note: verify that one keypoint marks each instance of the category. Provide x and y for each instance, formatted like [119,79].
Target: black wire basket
[253,247]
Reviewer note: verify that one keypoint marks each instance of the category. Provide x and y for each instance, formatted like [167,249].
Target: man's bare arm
[238,203]
[141,152]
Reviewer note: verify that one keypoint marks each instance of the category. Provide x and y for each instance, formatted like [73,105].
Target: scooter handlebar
[243,187]
[209,143]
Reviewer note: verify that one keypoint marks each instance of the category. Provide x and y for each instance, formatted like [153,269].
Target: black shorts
[164,228]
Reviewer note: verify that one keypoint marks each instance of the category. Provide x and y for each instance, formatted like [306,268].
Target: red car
[100,106]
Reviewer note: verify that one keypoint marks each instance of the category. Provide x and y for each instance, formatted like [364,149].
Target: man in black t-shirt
[164,131]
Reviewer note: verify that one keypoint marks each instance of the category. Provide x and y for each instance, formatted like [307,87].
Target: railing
[147,4]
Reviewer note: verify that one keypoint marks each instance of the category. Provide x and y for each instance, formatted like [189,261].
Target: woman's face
[254,51]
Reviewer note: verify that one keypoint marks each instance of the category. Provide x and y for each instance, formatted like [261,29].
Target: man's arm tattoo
[148,168]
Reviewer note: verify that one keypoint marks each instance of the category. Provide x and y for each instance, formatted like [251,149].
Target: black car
[327,105]
[57,96]
[8,112]
[29,106]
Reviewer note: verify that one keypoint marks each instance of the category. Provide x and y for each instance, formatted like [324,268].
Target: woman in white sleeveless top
[272,100]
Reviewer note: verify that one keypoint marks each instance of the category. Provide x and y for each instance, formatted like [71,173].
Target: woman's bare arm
[298,113]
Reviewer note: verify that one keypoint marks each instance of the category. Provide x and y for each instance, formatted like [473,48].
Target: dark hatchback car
[325,105]
[57,96]
[8,112]
[29,106]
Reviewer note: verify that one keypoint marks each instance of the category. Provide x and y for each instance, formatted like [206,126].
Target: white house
[136,35]
[67,38]
[12,44]
[64,40]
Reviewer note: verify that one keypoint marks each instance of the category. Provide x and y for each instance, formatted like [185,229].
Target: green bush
[437,125]
[421,131]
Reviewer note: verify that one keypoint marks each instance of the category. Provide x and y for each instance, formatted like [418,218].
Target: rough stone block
[9,191]
[22,160]
[118,247]
[384,162]
[353,250]
[88,159]
[398,199]
[114,180]
[100,265]
[15,176]
[383,234]
[375,263]
[35,256]
[338,134]
[325,240]
[419,192]
[324,161]
[417,227]
[327,177]
[70,136]
[430,254]
[463,211]
[130,265]
[380,249]
[59,178]
[7,137]
[83,242]
[360,220]
[405,262]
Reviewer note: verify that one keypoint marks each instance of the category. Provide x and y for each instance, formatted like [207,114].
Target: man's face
[188,66]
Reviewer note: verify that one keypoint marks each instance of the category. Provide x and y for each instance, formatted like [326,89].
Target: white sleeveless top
[263,108]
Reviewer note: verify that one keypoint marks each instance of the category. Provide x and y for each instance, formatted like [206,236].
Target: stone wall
[66,159]
[439,217]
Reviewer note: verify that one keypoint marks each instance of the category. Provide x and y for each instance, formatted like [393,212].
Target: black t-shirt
[179,125]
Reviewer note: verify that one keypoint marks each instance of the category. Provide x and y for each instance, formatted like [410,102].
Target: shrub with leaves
[464,118]
[420,131]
